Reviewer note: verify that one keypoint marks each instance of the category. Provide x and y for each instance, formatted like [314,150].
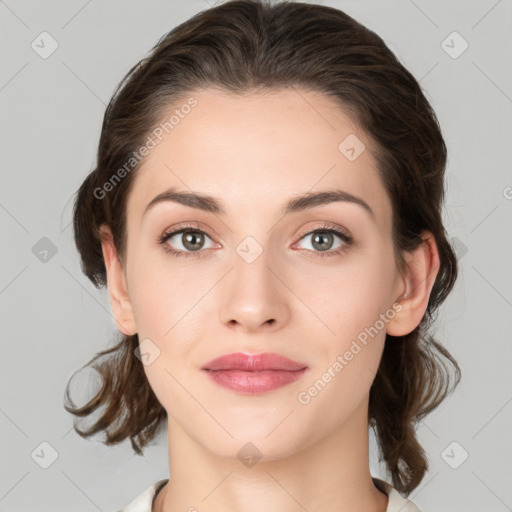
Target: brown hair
[244,45]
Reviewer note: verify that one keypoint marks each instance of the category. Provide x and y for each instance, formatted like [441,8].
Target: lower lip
[252,383]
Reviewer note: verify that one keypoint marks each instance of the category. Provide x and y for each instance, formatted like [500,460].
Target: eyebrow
[295,204]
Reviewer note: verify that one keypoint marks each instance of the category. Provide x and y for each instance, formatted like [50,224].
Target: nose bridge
[253,295]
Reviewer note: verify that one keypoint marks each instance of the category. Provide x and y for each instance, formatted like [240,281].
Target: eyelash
[347,240]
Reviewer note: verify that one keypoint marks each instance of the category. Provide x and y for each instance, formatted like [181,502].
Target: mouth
[253,373]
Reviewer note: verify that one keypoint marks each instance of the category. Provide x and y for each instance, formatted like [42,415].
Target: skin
[254,152]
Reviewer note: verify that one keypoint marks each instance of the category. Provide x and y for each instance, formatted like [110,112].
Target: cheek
[161,294]
[351,298]
[353,306]
[167,307]
[353,320]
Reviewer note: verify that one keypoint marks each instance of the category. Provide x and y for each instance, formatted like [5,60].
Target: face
[315,284]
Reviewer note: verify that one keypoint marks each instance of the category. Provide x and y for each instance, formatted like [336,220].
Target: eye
[190,241]
[323,239]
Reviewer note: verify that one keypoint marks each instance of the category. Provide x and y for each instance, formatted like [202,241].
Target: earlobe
[420,275]
[116,281]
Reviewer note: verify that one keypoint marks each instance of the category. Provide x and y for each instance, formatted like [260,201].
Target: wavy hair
[244,45]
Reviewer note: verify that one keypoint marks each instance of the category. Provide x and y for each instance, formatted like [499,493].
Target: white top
[144,502]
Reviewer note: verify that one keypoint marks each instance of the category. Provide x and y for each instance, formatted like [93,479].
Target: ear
[422,268]
[116,279]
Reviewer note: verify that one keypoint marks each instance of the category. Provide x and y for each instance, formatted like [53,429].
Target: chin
[252,449]
[263,440]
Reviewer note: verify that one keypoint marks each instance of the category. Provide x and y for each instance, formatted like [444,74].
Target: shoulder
[396,502]
[144,501]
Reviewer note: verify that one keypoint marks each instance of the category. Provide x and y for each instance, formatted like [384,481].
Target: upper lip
[253,362]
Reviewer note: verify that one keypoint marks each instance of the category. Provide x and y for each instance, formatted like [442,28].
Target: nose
[254,296]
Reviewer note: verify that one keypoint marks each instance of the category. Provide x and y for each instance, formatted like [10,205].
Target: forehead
[260,146]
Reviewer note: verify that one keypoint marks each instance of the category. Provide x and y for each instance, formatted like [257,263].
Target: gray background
[53,320]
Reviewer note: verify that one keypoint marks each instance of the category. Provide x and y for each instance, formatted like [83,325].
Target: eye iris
[319,240]
[192,240]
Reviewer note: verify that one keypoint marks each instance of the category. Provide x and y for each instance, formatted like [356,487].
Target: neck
[329,475]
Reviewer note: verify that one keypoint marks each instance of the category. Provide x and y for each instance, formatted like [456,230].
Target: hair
[248,45]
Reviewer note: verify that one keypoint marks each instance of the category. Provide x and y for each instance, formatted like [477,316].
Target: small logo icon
[44,250]
[351,147]
[44,45]
[507,192]
[454,455]
[454,45]
[249,455]
[44,455]
[459,247]
[249,249]
[147,352]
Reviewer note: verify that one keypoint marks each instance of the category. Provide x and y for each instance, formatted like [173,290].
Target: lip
[254,373]
[253,362]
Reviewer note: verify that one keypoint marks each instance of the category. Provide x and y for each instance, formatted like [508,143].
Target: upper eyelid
[325,227]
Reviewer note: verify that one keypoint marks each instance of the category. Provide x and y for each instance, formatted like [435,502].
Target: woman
[266,213]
